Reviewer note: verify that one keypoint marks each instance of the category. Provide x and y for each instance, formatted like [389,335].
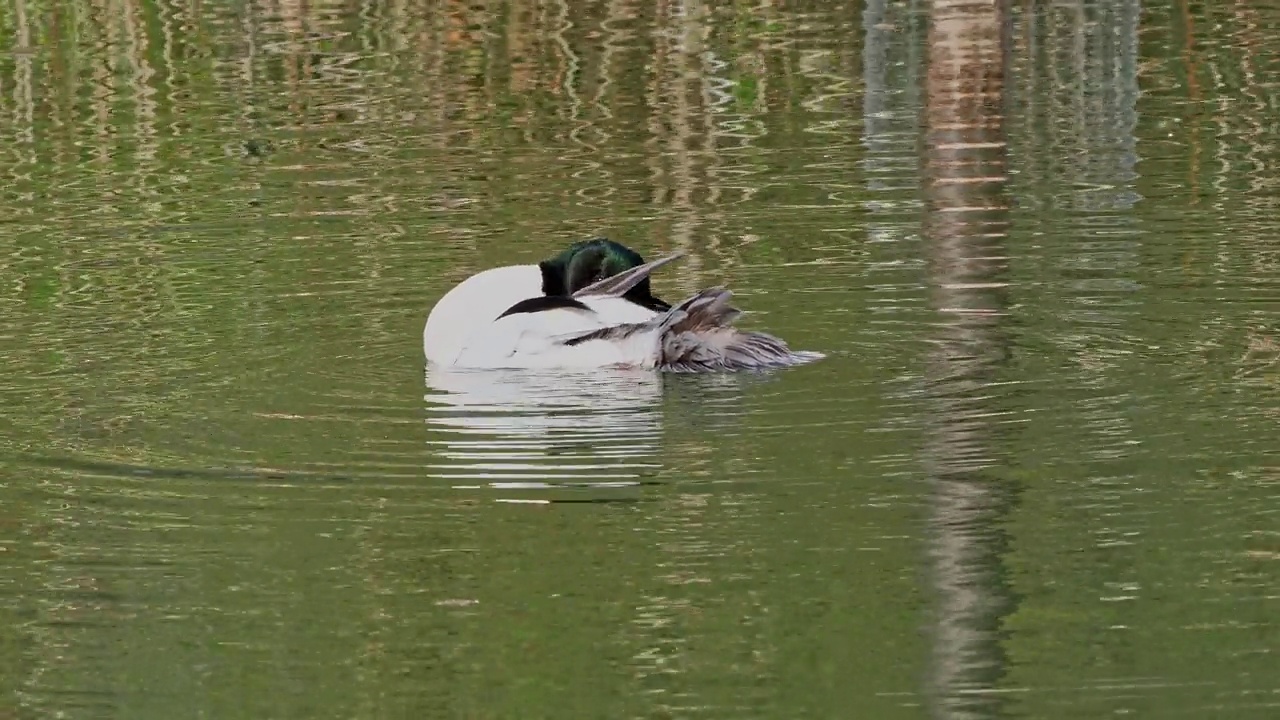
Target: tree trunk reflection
[966,221]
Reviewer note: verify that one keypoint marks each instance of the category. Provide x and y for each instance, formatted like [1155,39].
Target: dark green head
[590,261]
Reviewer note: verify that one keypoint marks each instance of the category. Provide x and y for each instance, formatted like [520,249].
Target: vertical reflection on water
[966,223]
[542,430]
[891,101]
[24,154]
[893,39]
[1107,107]
[1078,65]
[680,130]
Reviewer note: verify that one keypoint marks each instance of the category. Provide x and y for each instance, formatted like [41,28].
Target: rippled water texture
[1037,476]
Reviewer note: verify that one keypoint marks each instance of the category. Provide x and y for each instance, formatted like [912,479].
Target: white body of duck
[470,303]
[503,318]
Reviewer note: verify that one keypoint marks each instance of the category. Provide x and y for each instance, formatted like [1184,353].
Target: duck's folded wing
[698,335]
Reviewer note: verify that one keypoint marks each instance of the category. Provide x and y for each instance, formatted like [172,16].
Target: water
[230,490]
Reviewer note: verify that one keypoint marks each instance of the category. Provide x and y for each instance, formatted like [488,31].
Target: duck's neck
[558,280]
[555,280]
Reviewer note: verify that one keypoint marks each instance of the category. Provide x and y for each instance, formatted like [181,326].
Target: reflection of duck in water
[590,307]
[531,429]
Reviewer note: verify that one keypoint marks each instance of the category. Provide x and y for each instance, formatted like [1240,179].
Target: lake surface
[228,489]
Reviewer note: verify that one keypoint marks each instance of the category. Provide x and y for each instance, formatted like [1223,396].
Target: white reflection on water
[518,430]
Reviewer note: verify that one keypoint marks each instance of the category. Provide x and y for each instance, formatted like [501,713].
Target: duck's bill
[616,285]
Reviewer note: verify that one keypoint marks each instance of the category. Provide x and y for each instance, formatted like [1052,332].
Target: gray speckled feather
[697,336]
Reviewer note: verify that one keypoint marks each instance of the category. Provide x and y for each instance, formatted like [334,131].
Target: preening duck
[592,306]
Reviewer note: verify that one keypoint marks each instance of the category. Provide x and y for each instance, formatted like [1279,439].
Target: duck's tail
[698,335]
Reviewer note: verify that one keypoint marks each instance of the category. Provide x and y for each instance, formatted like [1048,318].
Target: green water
[228,489]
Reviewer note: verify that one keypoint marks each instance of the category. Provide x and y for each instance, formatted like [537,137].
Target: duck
[592,306]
